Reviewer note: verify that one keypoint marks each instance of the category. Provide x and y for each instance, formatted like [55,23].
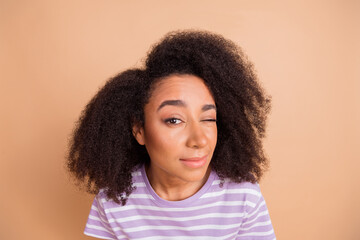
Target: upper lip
[194,158]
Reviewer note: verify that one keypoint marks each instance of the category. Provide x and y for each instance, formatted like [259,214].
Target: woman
[174,150]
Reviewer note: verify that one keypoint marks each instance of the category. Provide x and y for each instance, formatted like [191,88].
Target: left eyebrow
[208,107]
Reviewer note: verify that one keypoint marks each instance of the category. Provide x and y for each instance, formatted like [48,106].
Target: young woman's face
[180,131]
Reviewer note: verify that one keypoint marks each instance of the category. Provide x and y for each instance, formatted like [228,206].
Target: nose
[197,137]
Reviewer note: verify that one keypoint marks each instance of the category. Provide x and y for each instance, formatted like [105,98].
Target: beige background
[54,55]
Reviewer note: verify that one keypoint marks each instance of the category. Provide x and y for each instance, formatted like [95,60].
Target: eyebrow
[207,107]
[181,103]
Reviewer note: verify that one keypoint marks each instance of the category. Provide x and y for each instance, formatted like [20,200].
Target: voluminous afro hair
[103,151]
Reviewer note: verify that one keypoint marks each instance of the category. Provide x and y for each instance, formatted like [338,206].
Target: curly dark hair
[103,151]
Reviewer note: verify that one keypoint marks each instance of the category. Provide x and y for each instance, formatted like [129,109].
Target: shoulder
[245,187]
[246,194]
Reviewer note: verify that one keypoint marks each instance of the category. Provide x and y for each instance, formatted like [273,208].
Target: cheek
[212,136]
[162,142]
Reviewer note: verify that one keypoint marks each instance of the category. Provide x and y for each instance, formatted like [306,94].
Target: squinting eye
[209,120]
[173,121]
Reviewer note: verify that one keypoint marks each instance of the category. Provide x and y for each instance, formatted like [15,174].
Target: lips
[195,162]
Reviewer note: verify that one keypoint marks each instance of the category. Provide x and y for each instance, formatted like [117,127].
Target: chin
[196,175]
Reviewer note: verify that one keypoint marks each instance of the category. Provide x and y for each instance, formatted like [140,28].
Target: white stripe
[133,195]
[192,228]
[229,236]
[257,225]
[102,190]
[94,218]
[90,226]
[97,210]
[256,233]
[102,218]
[231,191]
[263,213]
[220,203]
[142,196]
[136,174]
[180,219]
[102,223]
[255,212]
[218,181]
[139,184]
[96,236]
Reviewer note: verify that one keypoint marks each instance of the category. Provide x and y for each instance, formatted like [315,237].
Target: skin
[180,125]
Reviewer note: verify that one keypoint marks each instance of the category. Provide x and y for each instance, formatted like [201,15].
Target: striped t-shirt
[230,211]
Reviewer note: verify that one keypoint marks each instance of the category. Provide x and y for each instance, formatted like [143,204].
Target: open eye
[173,121]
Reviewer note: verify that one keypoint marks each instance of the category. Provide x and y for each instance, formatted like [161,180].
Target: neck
[174,189]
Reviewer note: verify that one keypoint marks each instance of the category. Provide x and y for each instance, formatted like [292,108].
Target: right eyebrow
[172,103]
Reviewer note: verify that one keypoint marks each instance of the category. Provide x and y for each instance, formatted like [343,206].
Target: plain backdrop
[55,55]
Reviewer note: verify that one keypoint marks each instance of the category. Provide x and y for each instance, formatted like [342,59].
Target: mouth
[195,162]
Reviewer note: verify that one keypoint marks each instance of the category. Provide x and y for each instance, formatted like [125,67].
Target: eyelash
[168,121]
[209,120]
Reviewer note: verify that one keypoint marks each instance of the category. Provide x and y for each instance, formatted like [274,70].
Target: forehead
[181,87]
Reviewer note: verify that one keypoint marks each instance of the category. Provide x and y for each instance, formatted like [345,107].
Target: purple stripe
[201,203]
[189,223]
[134,212]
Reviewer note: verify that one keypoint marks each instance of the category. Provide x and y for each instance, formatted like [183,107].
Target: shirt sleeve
[257,224]
[97,224]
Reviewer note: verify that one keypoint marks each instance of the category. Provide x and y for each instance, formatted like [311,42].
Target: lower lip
[194,163]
